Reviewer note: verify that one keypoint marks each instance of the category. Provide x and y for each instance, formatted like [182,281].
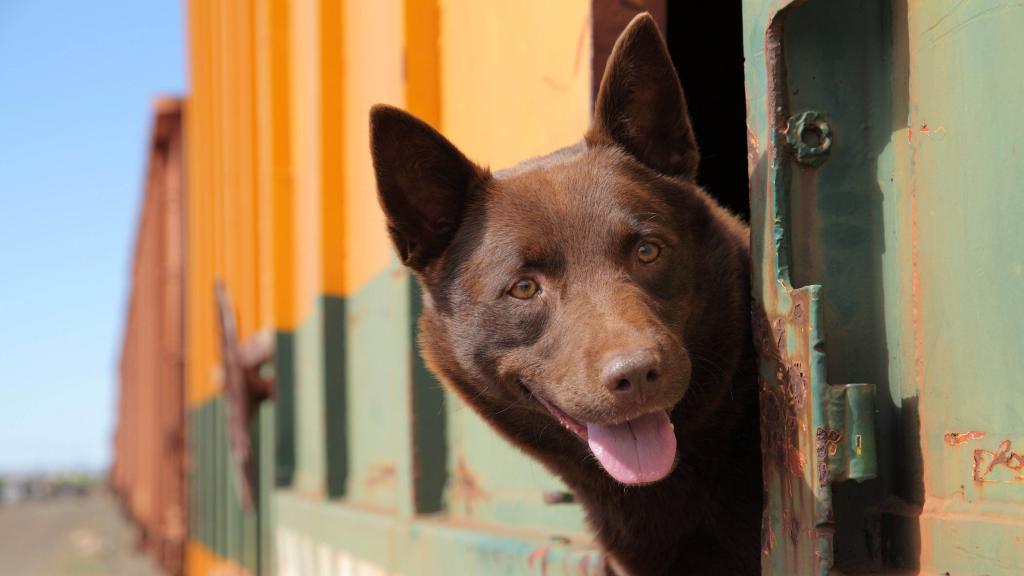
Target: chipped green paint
[216,515]
[429,415]
[905,241]
[966,168]
[268,478]
[377,368]
[284,410]
[321,445]
[315,537]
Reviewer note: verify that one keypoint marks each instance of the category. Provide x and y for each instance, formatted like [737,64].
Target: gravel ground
[70,536]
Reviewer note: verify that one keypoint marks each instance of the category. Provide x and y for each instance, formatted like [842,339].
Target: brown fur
[572,220]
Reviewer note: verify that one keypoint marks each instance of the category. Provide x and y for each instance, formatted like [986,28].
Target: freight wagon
[148,472]
[276,418]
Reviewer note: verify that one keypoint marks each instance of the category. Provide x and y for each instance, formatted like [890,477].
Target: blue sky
[77,80]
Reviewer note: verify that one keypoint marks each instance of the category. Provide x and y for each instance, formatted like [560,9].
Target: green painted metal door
[886,170]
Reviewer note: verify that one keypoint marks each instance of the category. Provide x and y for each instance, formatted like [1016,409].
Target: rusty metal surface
[903,236]
[814,433]
[963,172]
[149,460]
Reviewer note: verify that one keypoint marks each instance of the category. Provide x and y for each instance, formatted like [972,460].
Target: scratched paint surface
[910,227]
[329,538]
[964,142]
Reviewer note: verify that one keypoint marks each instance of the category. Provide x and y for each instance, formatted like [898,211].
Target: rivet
[810,137]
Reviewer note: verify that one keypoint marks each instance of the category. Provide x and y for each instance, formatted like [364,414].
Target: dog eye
[648,252]
[524,289]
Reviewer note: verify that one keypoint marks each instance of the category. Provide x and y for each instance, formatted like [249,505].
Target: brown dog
[599,287]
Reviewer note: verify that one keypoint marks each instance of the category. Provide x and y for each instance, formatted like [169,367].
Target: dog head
[571,287]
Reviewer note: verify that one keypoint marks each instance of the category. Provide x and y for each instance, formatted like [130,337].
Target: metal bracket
[248,380]
[846,444]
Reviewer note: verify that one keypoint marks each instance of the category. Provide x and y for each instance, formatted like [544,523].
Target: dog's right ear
[640,105]
[423,182]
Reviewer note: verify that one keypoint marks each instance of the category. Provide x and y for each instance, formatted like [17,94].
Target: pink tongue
[636,452]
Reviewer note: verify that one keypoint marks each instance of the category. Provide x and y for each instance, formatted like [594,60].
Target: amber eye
[524,289]
[648,252]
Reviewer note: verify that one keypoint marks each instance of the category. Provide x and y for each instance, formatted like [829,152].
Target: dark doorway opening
[705,40]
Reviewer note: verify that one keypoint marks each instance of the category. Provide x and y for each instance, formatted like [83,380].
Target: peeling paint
[827,440]
[958,438]
[767,534]
[538,559]
[467,487]
[924,130]
[380,474]
[986,462]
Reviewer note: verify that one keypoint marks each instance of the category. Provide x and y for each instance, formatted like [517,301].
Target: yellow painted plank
[227,205]
[331,72]
[422,27]
[279,136]
[272,85]
[373,64]
[244,132]
[202,202]
[516,76]
[346,56]
[306,158]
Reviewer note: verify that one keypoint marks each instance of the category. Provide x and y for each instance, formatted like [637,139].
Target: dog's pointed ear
[640,104]
[423,182]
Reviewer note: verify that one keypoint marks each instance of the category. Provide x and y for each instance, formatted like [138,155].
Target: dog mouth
[568,422]
[637,451]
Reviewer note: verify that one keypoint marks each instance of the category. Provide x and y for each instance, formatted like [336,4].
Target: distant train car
[275,417]
[149,443]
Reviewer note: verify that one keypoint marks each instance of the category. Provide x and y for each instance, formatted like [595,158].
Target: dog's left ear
[640,104]
[423,183]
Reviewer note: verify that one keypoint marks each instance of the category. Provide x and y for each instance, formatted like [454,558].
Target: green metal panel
[430,423]
[249,528]
[219,522]
[900,234]
[491,481]
[377,354]
[314,537]
[267,480]
[967,256]
[320,441]
[283,448]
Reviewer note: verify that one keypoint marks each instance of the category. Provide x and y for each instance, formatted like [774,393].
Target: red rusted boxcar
[148,472]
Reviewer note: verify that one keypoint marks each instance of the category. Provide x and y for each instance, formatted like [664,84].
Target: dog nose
[629,375]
